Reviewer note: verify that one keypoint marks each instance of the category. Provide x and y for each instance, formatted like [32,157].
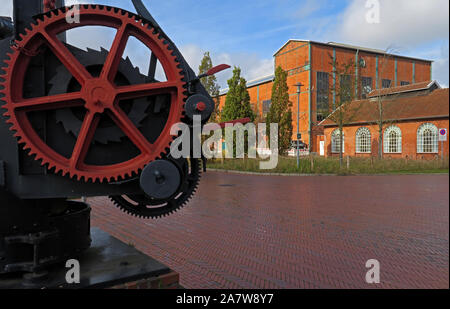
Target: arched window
[427,138]
[393,140]
[363,141]
[336,142]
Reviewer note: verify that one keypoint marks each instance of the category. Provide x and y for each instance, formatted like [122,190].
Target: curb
[318,175]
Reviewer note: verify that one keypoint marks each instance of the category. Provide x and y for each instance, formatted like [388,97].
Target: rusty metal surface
[299,232]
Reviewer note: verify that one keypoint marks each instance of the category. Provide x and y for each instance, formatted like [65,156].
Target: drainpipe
[356,73]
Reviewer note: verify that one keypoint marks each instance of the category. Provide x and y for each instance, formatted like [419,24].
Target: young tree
[237,102]
[281,111]
[384,102]
[346,108]
[210,84]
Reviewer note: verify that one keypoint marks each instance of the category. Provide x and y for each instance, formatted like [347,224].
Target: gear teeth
[44,21]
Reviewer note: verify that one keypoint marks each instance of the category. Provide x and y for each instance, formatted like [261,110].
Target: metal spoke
[144,90]
[84,139]
[115,54]
[130,130]
[64,55]
[50,102]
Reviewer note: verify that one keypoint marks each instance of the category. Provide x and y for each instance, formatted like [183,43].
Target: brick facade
[409,131]
[303,59]
[406,108]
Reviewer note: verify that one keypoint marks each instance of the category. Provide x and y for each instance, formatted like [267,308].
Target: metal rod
[298,129]
[299,91]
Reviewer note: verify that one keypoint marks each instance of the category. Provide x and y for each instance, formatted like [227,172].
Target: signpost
[443,133]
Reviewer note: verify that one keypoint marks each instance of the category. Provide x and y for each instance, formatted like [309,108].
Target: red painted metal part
[217,69]
[49,5]
[201,106]
[98,95]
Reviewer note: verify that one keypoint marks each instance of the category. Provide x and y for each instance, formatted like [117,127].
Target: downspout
[376,78]
[309,98]
[356,73]
[334,80]
[258,106]
[396,73]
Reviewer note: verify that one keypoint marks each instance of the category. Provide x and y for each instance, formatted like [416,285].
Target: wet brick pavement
[299,232]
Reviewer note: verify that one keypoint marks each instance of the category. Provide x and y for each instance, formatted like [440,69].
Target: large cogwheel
[99,95]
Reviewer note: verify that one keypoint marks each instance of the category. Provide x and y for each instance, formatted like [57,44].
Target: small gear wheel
[99,96]
[142,206]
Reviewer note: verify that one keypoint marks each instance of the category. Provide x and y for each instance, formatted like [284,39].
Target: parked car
[298,145]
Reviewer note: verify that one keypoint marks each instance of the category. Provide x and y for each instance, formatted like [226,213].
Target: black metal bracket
[34,240]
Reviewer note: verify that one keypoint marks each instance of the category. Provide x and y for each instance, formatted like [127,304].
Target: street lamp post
[299,136]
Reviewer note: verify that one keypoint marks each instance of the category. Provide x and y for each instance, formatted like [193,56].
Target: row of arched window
[427,140]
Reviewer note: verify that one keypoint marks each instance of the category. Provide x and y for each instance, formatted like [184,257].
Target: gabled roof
[431,106]
[287,43]
[403,89]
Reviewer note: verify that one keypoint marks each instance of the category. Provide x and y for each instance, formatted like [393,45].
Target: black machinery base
[109,263]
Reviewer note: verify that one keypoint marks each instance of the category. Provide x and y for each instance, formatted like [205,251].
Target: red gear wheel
[98,95]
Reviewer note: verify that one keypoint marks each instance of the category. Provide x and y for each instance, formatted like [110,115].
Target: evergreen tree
[237,103]
[210,84]
[281,111]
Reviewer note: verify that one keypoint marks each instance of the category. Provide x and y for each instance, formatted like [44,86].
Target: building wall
[409,140]
[292,56]
[378,67]
[302,61]
[258,94]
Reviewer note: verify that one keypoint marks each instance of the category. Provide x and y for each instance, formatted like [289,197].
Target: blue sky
[247,33]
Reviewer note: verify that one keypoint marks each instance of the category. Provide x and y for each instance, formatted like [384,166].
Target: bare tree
[385,110]
[346,108]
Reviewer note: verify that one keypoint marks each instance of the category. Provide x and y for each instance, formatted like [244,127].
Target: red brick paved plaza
[299,232]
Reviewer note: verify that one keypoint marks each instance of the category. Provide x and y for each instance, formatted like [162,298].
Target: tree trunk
[341,150]
[380,143]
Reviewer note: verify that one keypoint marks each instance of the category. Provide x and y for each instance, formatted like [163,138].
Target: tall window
[266,107]
[366,85]
[393,140]
[386,83]
[427,139]
[363,141]
[336,142]
[323,106]
[346,89]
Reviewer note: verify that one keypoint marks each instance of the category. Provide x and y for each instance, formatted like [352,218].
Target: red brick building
[309,63]
[414,115]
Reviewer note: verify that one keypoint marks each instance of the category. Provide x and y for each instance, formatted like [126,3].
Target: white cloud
[440,67]
[403,23]
[408,26]
[252,65]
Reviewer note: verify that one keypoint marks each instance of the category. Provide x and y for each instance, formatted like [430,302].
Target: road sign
[299,136]
[443,135]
